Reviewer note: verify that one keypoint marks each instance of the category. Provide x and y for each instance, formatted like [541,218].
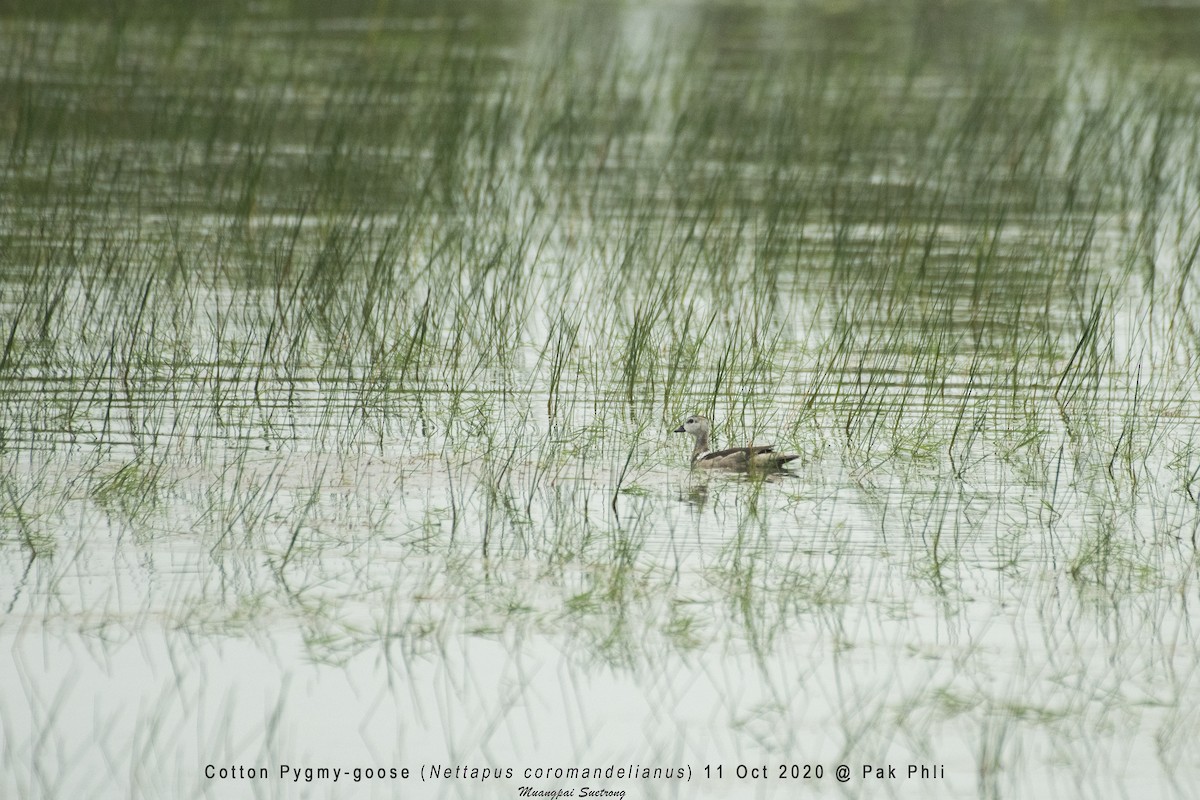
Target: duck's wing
[737,453]
[771,460]
[760,457]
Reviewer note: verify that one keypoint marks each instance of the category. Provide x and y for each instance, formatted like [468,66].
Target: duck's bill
[680,430]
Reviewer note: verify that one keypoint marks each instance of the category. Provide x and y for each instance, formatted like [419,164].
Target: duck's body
[761,457]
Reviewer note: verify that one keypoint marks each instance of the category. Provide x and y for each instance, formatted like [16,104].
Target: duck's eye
[691,420]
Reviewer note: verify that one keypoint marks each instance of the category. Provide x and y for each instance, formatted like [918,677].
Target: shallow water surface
[341,353]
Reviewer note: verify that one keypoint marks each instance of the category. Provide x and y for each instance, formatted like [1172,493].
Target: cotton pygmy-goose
[753,457]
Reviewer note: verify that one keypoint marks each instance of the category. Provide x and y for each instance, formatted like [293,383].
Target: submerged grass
[345,247]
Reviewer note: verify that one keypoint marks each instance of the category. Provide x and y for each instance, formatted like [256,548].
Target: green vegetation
[372,326]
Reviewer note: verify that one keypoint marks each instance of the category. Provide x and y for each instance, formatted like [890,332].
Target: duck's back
[744,457]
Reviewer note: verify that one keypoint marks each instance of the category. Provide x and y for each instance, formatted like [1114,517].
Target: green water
[340,353]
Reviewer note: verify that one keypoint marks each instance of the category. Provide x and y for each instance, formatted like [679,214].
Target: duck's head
[696,425]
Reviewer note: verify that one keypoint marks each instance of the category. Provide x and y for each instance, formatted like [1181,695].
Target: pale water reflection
[903,683]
